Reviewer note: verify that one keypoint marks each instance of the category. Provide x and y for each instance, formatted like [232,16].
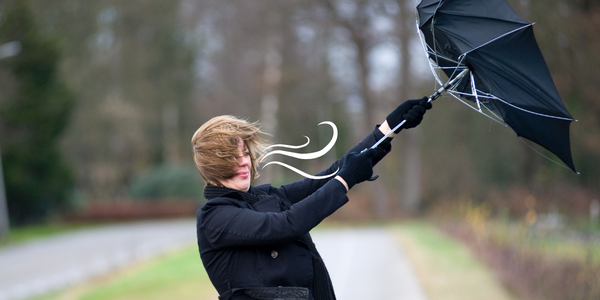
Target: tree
[131,66]
[34,110]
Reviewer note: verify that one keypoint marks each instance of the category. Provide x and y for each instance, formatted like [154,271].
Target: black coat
[259,238]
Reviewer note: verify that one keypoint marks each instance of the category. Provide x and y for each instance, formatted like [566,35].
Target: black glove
[410,110]
[357,167]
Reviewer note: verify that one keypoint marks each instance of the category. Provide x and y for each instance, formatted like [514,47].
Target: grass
[446,268]
[176,275]
[23,234]
[554,245]
[536,262]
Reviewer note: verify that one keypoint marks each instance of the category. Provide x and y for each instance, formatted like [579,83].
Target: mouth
[243,174]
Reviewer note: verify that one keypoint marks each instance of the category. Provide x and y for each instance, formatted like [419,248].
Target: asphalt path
[367,263]
[364,263]
[47,264]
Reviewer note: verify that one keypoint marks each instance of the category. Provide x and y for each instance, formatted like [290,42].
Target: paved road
[40,266]
[363,263]
[367,263]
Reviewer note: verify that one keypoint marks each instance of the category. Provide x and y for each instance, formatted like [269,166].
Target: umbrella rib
[444,57]
[498,118]
[497,38]
[524,141]
[429,51]
[493,116]
[477,92]
[448,48]
[474,89]
[452,91]
[427,48]
[433,65]
[494,97]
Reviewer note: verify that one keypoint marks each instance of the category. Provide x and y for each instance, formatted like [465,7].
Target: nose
[244,160]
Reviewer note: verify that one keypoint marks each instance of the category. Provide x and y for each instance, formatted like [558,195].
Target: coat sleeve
[224,224]
[296,191]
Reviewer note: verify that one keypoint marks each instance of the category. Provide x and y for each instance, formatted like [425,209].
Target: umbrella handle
[435,95]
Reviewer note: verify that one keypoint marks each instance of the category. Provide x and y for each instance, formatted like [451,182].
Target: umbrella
[505,75]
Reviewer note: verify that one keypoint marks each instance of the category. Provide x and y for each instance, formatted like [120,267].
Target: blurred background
[99,100]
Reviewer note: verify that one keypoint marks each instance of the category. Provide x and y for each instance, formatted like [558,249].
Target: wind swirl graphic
[304,156]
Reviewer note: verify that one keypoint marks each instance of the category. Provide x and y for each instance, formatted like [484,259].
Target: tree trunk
[411,194]
[272,79]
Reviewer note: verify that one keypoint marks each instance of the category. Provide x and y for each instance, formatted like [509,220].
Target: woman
[254,242]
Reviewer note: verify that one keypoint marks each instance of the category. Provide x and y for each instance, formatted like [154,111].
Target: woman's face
[241,180]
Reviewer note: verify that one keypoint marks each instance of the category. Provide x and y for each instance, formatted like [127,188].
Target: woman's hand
[357,168]
[410,110]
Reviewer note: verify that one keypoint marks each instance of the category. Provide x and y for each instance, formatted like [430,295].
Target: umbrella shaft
[387,134]
[448,84]
[431,98]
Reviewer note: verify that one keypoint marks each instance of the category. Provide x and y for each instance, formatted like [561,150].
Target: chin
[240,185]
[246,187]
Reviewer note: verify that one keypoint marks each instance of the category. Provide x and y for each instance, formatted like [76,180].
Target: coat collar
[252,196]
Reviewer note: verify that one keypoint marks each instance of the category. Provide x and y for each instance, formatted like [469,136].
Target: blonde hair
[215,146]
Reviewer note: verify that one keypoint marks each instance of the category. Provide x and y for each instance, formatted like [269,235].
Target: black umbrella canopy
[508,74]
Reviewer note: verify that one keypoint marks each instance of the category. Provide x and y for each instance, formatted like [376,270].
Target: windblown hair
[215,146]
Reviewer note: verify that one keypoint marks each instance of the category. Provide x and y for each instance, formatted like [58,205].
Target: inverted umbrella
[508,79]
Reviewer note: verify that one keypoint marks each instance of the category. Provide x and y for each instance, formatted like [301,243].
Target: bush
[536,266]
[168,182]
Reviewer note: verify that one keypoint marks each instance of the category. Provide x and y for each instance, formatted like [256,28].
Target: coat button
[274,254]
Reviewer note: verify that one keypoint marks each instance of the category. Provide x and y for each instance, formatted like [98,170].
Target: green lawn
[557,244]
[22,234]
[176,275]
[445,267]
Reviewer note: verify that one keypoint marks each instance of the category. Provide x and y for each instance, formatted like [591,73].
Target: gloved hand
[357,167]
[410,110]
